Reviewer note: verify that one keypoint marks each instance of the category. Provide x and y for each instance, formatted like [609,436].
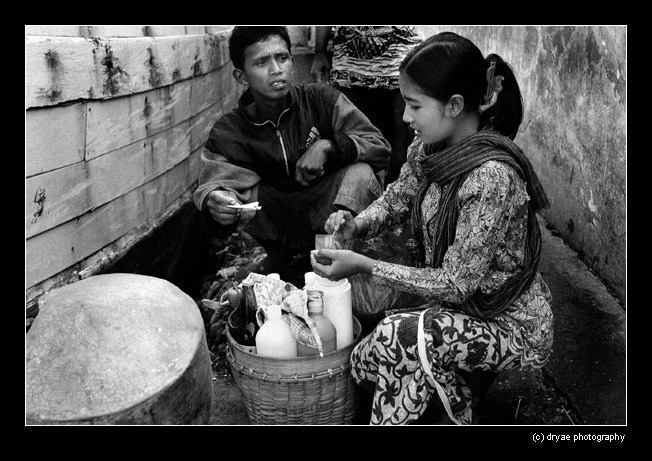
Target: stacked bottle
[325,328]
[329,306]
[338,307]
[249,307]
[275,338]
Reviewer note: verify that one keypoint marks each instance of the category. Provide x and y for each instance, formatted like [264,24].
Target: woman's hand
[344,263]
[343,223]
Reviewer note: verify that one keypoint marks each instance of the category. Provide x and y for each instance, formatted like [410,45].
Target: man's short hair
[244,36]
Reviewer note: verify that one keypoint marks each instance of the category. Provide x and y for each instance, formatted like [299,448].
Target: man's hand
[311,164]
[320,71]
[217,205]
[321,65]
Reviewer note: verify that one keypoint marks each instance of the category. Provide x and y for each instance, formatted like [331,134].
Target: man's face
[268,68]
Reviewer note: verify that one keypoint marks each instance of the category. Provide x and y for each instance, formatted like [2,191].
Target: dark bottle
[249,307]
[236,317]
[325,327]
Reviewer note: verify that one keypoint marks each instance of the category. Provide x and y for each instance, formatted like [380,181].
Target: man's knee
[359,187]
[358,172]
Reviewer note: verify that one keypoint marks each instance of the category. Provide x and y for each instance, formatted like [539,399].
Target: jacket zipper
[285,157]
[280,138]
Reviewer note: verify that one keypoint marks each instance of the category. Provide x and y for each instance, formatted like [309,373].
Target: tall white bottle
[338,307]
[275,338]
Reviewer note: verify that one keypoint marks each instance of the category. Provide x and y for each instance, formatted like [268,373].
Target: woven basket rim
[304,368]
[280,378]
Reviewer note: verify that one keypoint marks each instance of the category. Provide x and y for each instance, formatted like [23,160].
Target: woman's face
[425,115]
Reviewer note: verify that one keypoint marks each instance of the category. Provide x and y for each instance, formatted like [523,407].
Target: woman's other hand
[343,264]
[343,224]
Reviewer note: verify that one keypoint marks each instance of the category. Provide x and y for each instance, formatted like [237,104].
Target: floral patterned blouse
[488,248]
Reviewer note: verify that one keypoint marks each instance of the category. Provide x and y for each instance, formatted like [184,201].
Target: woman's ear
[240,77]
[455,105]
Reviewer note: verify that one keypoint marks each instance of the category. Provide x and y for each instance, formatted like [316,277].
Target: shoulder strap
[425,364]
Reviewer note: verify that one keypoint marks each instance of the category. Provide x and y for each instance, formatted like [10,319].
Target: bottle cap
[309,277]
[273,311]
[315,300]
[323,281]
[315,295]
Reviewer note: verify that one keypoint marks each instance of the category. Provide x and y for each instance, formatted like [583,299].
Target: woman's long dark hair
[446,64]
[442,66]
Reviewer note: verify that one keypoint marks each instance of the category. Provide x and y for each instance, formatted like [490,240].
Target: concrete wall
[574,85]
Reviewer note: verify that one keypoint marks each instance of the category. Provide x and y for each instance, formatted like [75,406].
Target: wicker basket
[306,390]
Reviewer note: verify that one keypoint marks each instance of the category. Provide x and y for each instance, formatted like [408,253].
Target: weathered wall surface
[115,119]
[574,86]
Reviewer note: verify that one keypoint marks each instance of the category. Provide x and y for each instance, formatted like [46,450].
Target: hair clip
[493,85]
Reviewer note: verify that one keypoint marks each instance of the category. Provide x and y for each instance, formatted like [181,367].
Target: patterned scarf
[450,166]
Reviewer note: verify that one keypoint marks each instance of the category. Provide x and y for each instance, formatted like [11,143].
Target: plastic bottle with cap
[275,338]
[338,307]
[325,328]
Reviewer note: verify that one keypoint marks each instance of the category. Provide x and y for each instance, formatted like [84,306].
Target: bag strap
[425,364]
